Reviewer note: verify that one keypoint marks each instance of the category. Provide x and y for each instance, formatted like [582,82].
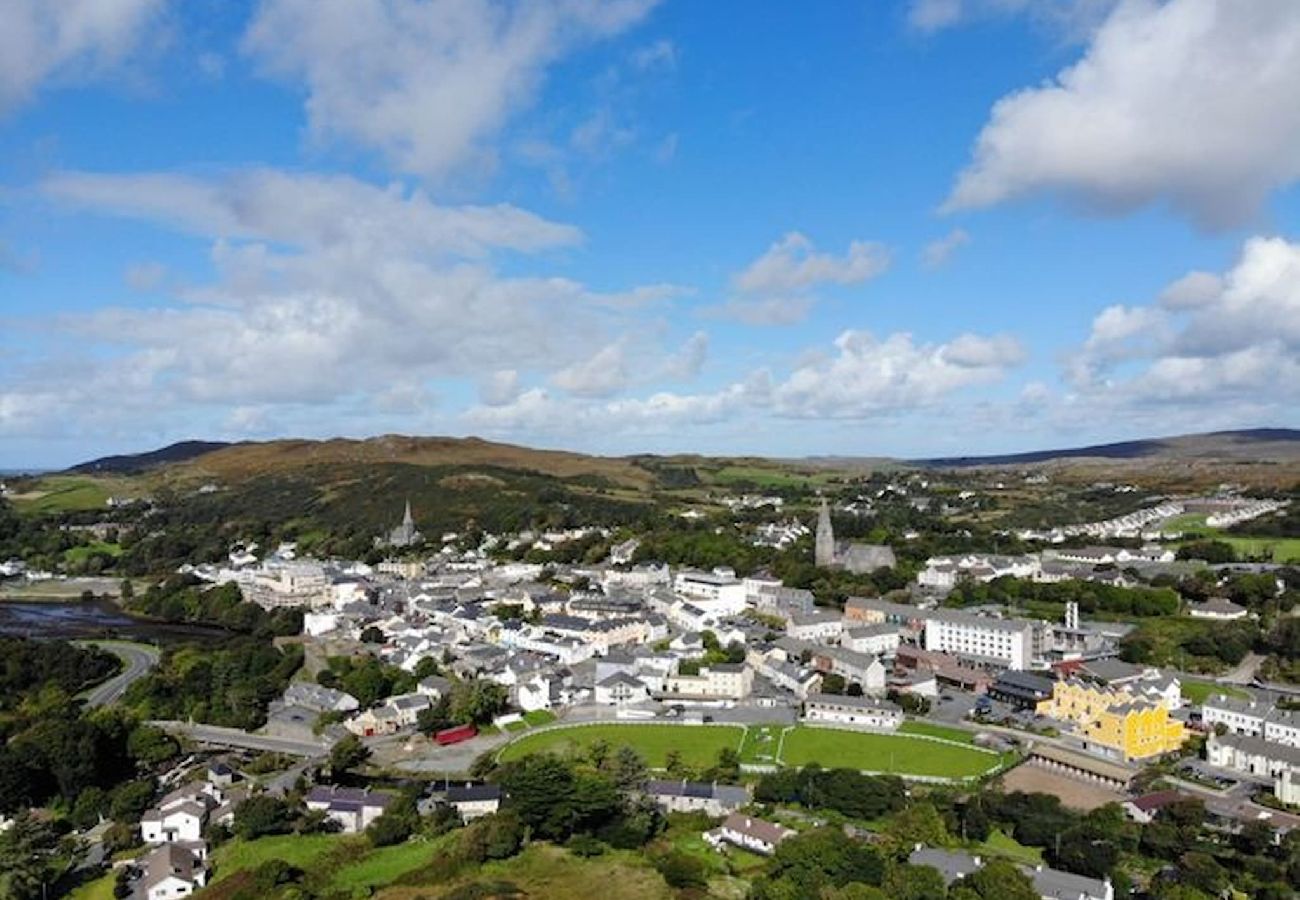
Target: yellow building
[1114,722]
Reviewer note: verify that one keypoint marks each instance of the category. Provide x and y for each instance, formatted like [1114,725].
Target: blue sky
[878,228]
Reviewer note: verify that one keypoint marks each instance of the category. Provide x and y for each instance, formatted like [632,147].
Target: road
[137,660]
[217,736]
[1244,672]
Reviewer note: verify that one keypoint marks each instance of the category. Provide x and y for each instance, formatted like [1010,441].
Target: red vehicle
[455,735]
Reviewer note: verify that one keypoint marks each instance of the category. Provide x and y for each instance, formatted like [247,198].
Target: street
[137,660]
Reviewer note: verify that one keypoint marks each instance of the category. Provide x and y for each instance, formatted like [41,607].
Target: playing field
[896,753]
[698,745]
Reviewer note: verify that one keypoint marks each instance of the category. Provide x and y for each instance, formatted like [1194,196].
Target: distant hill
[135,463]
[1257,444]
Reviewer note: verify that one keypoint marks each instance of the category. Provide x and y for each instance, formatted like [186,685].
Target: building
[1253,718]
[817,626]
[353,808]
[858,668]
[981,640]
[748,833]
[318,698]
[1219,609]
[860,559]
[865,712]
[1021,689]
[1252,755]
[1051,884]
[719,592]
[182,815]
[404,535]
[172,871]
[474,801]
[621,689]
[878,640]
[697,796]
[1114,723]
[724,681]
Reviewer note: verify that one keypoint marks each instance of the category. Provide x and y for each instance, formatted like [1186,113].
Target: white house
[534,693]
[866,712]
[876,640]
[172,871]
[1219,609]
[697,796]
[474,801]
[353,808]
[819,626]
[724,681]
[1252,755]
[621,689]
[182,814]
[756,835]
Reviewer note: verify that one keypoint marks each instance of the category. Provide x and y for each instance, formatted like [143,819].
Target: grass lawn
[957,735]
[99,889]
[515,726]
[871,752]
[382,866]
[544,870]
[539,717]
[698,745]
[295,849]
[79,554]
[1278,549]
[999,844]
[1198,691]
[761,742]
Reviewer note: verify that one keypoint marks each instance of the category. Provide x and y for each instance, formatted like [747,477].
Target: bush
[681,870]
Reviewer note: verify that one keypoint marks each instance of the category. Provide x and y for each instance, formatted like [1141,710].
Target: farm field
[63,493]
[698,745]
[799,745]
[1278,549]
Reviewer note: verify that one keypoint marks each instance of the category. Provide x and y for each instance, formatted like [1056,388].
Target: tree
[27,857]
[908,882]
[674,764]
[373,634]
[629,770]
[397,823]
[477,701]
[728,765]
[435,718]
[681,870]
[598,752]
[347,754]
[262,815]
[1000,880]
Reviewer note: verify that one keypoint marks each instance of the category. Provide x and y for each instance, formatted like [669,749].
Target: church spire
[824,549]
[406,519]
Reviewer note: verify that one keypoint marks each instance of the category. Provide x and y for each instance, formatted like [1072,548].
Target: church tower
[408,522]
[824,552]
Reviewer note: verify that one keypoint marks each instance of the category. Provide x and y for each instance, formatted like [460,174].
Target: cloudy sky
[906,227]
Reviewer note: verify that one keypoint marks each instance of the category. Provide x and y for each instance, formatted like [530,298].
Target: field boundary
[1000,762]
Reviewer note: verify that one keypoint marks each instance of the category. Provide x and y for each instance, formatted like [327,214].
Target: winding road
[137,660]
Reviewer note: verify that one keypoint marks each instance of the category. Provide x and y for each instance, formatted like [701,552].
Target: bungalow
[172,871]
[1051,884]
[748,833]
[844,710]
[474,801]
[1220,609]
[353,808]
[697,796]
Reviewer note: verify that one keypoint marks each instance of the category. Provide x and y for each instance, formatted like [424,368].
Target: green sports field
[698,745]
[901,754]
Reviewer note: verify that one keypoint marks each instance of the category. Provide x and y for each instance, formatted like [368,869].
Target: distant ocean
[10,473]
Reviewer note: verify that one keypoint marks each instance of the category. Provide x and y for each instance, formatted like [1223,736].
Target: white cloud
[500,387]
[1193,103]
[662,54]
[1207,340]
[326,291]
[1073,18]
[687,362]
[427,84]
[313,211]
[869,377]
[67,40]
[777,288]
[601,375]
[937,253]
[792,264]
